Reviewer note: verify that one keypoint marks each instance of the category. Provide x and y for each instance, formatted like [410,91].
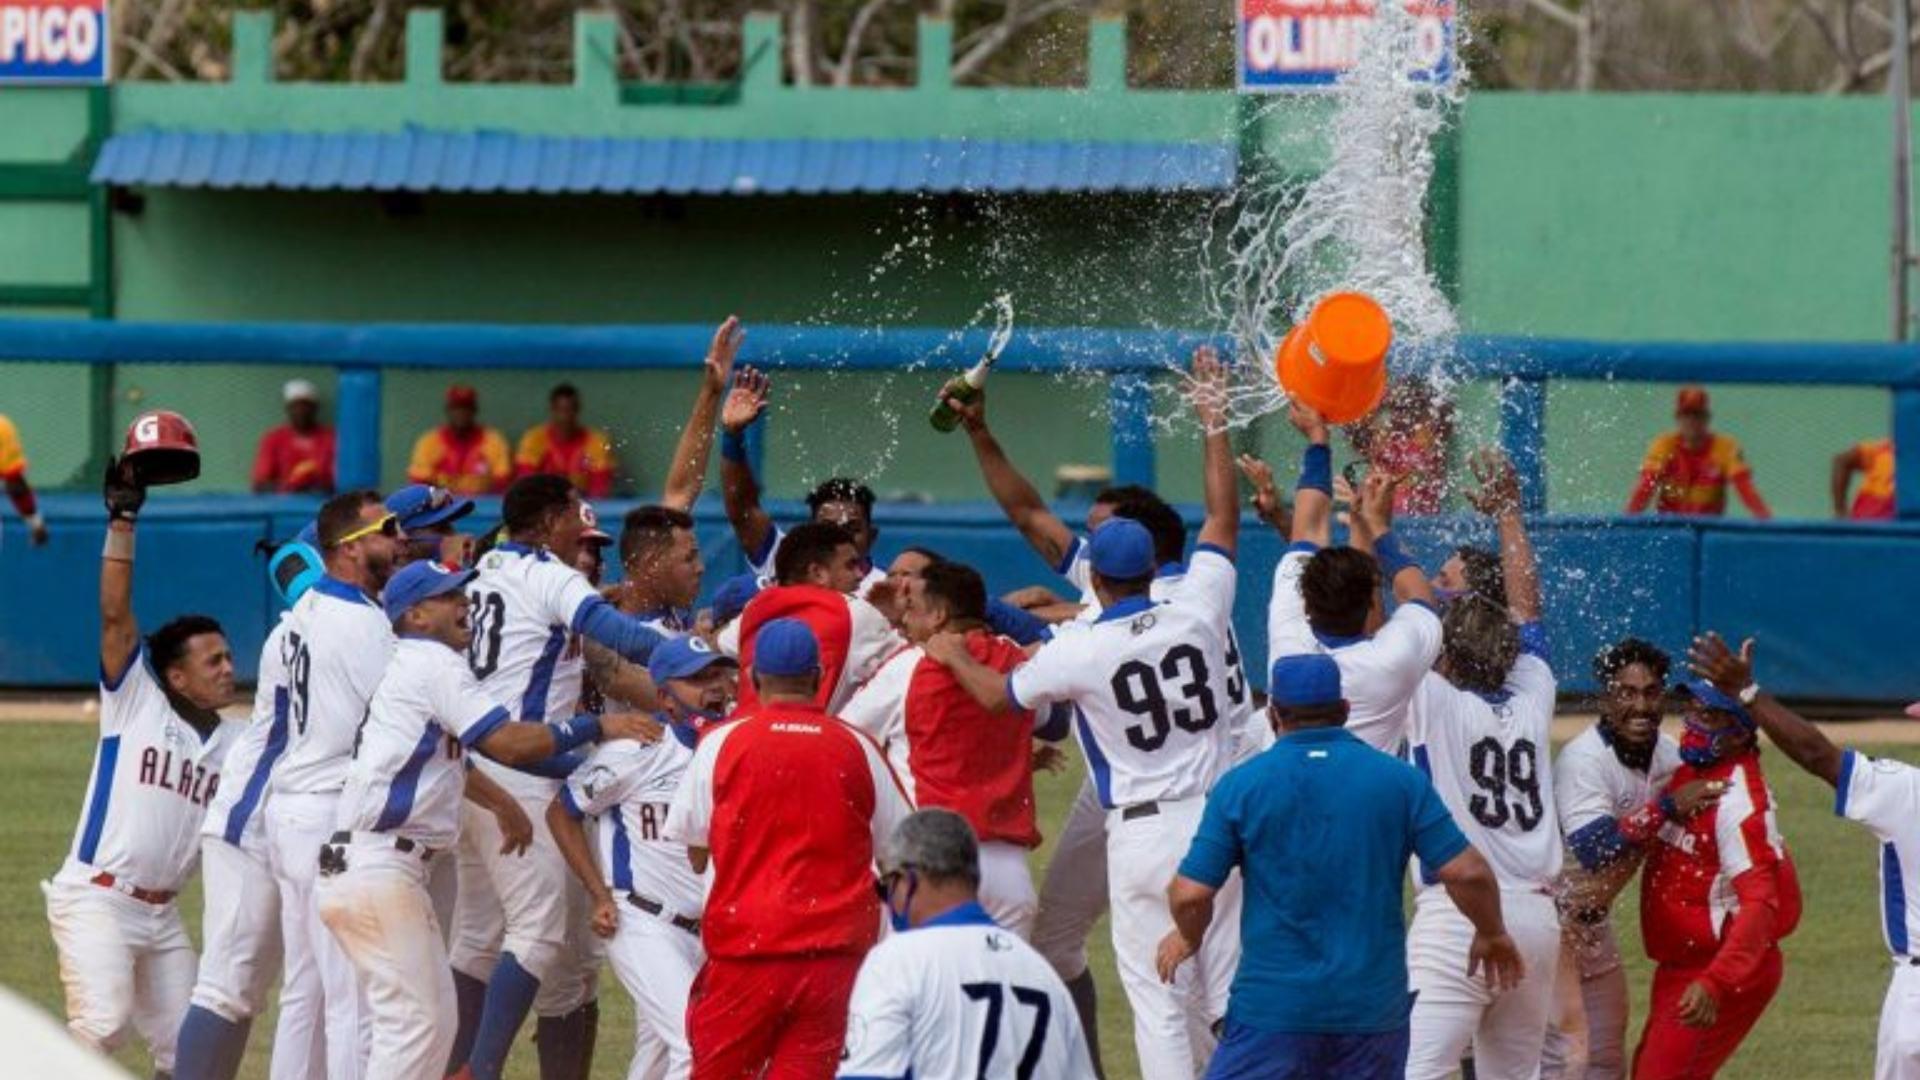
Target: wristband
[569,734]
[1392,560]
[1316,469]
[733,446]
[119,545]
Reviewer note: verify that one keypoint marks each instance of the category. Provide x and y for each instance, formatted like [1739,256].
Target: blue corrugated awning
[420,159]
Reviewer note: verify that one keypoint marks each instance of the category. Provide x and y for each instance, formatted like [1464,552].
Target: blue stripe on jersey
[1097,761]
[571,804]
[533,704]
[622,852]
[1427,876]
[1071,556]
[486,726]
[407,781]
[103,766]
[1893,899]
[262,769]
[1845,782]
[113,685]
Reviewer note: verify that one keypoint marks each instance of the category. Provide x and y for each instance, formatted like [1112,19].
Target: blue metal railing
[1524,365]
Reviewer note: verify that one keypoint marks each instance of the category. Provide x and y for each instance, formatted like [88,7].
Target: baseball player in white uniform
[240,923]
[1881,794]
[125,959]
[1480,728]
[1606,785]
[531,612]
[953,993]
[338,641]
[646,898]
[1151,683]
[401,809]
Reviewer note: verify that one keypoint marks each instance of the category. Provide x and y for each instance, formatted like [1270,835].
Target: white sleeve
[122,701]
[871,641]
[1050,675]
[605,779]
[880,1018]
[690,815]
[1287,630]
[879,707]
[1580,792]
[1883,795]
[1532,685]
[1211,582]
[562,591]
[1402,654]
[727,641]
[761,563]
[461,707]
[367,666]
[1077,566]
[890,803]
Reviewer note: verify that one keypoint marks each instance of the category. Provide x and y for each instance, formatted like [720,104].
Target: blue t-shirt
[1321,826]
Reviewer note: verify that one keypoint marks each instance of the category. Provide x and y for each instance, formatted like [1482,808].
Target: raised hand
[746,401]
[123,494]
[721,354]
[972,414]
[1307,421]
[1711,659]
[1265,500]
[1499,490]
[1374,511]
[1208,389]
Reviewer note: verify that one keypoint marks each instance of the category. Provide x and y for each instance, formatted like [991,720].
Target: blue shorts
[1251,1054]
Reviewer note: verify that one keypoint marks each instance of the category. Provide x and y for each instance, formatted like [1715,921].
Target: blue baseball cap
[1304,681]
[423,579]
[733,596]
[419,506]
[683,657]
[294,567]
[1709,695]
[786,647]
[1122,549]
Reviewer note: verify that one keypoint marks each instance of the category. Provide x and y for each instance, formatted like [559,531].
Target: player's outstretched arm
[982,683]
[1043,530]
[688,472]
[1732,672]
[521,744]
[516,828]
[738,486]
[1267,504]
[570,836]
[1373,516]
[1313,496]
[1471,886]
[1221,529]
[619,680]
[119,630]
[1498,497]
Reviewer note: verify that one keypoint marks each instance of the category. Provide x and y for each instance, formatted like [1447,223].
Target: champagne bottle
[963,388]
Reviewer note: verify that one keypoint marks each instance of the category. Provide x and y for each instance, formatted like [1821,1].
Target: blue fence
[1828,602]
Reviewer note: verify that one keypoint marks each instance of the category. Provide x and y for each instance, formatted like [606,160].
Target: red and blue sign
[54,41]
[1307,44]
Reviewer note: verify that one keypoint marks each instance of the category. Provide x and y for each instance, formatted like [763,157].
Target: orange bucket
[1336,361]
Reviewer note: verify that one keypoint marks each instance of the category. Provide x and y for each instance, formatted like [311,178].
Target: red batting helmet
[161,449]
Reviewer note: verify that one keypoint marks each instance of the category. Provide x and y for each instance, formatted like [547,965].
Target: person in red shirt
[951,752]
[1716,897]
[461,455]
[563,447]
[816,570]
[790,805]
[297,455]
[1690,467]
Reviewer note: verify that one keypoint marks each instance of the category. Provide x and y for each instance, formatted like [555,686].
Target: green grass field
[1821,1025]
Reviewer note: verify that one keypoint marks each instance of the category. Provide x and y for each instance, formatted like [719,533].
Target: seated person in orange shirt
[297,455]
[460,455]
[1690,467]
[563,447]
[1874,460]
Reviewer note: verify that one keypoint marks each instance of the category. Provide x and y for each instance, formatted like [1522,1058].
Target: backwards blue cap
[1122,549]
[682,657]
[786,647]
[420,580]
[732,598]
[419,506]
[1709,695]
[294,567]
[1304,681]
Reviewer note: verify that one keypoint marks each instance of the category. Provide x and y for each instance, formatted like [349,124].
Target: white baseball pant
[1006,887]
[1172,1025]
[124,963]
[1590,956]
[656,961]
[1453,1011]
[240,928]
[1898,1055]
[380,910]
[1073,893]
[528,904]
[321,990]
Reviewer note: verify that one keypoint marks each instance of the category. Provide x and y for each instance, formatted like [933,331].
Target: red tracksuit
[1716,897]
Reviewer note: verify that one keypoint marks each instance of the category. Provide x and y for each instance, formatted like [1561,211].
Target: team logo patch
[1141,624]
[596,781]
[997,942]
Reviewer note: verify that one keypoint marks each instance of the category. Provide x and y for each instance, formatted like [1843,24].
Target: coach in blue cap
[1321,826]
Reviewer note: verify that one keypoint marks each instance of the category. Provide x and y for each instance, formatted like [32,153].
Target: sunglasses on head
[388,525]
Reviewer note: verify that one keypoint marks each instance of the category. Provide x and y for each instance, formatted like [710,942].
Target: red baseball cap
[1690,399]
[462,394]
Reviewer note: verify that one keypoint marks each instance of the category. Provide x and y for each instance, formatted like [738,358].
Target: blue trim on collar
[687,736]
[1126,609]
[1172,569]
[1215,549]
[518,548]
[967,914]
[1318,735]
[1338,641]
[328,585]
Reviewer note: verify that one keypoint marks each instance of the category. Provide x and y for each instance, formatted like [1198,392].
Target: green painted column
[936,54]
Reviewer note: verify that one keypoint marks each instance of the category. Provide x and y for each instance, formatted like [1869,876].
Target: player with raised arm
[1480,726]
[953,993]
[1150,682]
[687,473]
[126,962]
[337,644]
[647,899]
[400,811]
[1327,599]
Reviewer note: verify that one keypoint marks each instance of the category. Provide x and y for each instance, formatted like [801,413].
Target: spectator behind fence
[563,447]
[1874,461]
[13,475]
[1689,468]
[297,455]
[461,455]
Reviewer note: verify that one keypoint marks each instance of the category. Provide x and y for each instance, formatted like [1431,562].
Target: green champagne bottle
[963,388]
